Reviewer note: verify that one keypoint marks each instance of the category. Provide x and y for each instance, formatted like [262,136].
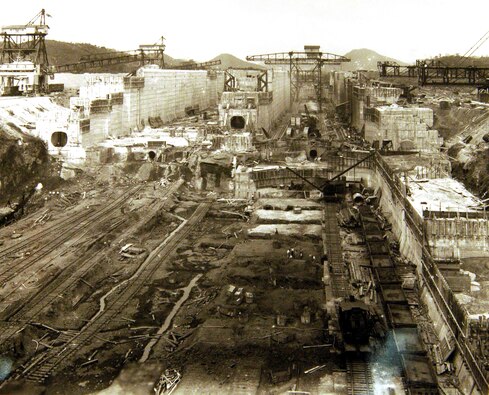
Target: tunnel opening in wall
[152,155]
[313,154]
[59,139]
[238,122]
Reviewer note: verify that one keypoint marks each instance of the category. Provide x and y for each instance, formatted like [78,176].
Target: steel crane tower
[305,67]
[24,62]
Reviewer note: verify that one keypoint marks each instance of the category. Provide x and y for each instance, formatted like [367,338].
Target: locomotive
[356,321]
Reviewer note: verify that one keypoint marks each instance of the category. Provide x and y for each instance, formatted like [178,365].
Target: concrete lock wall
[338,80]
[367,97]
[259,109]
[457,237]
[167,93]
[407,128]
[409,244]
[281,93]
[117,105]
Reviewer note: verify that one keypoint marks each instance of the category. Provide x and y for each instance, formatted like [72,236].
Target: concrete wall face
[409,245]
[407,128]
[457,237]
[259,109]
[338,81]
[117,105]
[367,97]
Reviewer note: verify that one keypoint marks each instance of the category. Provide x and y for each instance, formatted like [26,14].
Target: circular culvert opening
[59,139]
[358,198]
[151,155]
[238,122]
[313,154]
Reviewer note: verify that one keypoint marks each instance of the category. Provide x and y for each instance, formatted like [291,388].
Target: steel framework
[299,76]
[145,54]
[433,72]
[197,66]
[23,54]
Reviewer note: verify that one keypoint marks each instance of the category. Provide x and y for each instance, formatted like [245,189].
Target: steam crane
[24,65]
[305,67]
[333,188]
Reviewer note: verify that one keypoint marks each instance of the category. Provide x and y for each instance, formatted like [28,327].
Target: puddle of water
[5,367]
[169,318]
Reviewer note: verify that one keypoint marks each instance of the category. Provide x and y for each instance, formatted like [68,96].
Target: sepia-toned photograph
[244,197]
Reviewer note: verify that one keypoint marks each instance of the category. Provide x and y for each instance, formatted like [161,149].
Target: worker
[292,253]
[288,253]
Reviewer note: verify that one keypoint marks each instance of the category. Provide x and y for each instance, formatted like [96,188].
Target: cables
[472,49]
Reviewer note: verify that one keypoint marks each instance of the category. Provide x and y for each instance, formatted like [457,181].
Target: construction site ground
[226,345]
[185,317]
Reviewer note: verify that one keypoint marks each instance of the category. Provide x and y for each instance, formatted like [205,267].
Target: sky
[201,29]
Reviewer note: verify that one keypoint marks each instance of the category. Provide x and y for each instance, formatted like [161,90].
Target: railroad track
[58,356]
[81,222]
[359,377]
[60,225]
[339,274]
[32,306]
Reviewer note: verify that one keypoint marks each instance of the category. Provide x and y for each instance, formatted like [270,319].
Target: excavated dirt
[463,125]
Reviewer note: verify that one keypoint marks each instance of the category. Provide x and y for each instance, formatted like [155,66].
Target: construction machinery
[436,72]
[334,188]
[305,68]
[24,66]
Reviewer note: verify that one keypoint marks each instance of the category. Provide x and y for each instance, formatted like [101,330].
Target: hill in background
[366,59]
[60,52]
[456,60]
[231,61]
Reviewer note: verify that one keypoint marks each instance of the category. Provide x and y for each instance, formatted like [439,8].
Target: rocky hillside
[464,126]
[366,59]
[22,166]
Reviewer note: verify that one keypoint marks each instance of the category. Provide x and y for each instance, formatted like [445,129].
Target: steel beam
[298,75]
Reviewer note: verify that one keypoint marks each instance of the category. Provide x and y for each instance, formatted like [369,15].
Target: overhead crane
[305,67]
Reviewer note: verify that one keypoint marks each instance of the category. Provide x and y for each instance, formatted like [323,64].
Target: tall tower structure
[24,65]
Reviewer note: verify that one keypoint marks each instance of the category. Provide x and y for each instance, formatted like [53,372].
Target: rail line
[9,272]
[332,244]
[59,225]
[29,309]
[55,357]
[359,377]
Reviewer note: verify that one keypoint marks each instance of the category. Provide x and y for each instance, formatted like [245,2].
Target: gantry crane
[305,67]
[24,64]
[435,72]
